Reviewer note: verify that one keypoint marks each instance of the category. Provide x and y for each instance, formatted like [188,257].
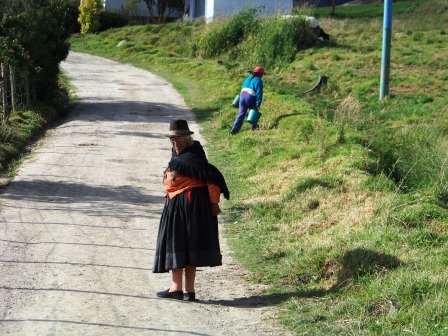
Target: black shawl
[192,162]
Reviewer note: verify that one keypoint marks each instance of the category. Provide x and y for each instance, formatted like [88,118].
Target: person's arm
[259,92]
[215,193]
[244,84]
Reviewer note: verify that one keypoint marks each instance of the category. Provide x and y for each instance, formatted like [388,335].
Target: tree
[33,40]
[89,15]
[161,9]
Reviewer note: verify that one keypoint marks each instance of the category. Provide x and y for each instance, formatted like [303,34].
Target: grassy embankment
[339,200]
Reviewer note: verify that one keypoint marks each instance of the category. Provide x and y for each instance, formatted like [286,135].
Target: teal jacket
[255,84]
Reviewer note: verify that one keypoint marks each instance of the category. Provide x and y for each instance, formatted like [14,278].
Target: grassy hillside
[339,200]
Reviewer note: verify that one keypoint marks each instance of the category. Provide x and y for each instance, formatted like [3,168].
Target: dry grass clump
[346,113]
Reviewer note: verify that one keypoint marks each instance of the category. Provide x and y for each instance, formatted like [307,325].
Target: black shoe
[177,295]
[233,132]
[254,127]
[191,296]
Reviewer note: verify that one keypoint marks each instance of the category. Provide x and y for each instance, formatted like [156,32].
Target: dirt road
[79,223]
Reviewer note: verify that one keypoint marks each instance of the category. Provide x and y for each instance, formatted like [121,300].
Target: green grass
[339,201]
[26,125]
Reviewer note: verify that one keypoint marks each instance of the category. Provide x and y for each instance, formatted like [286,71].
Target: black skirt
[188,233]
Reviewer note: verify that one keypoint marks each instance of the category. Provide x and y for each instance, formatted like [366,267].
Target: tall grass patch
[415,157]
[279,39]
[219,37]
[267,41]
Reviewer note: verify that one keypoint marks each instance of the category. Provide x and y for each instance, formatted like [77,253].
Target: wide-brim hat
[179,127]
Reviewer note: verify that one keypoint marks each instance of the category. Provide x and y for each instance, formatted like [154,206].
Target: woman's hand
[215,209]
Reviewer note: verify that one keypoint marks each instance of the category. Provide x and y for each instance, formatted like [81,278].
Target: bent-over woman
[251,97]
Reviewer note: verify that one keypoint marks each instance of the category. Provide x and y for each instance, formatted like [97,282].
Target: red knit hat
[259,70]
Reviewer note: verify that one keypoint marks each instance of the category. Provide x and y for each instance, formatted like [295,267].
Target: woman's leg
[241,115]
[176,276]
[190,276]
[247,101]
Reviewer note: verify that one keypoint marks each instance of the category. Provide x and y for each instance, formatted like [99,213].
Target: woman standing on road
[188,230]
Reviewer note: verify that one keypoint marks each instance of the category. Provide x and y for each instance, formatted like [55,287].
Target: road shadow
[89,199]
[105,325]
[354,264]
[142,134]
[83,225]
[70,192]
[60,243]
[257,301]
[206,114]
[99,109]
[74,264]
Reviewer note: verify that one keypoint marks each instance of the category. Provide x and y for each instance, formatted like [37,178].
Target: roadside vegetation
[25,126]
[339,201]
[33,41]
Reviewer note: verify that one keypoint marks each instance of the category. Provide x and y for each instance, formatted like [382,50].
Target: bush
[72,13]
[33,40]
[89,15]
[110,20]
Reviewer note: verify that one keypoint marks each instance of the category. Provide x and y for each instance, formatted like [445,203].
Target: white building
[134,8]
[210,9]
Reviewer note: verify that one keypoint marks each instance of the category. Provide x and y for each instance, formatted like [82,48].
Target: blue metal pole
[385,63]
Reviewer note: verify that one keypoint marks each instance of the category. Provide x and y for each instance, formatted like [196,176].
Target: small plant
[336,57]
[321,138]
[306,129]
[347,112]
[304,8]
[310,66]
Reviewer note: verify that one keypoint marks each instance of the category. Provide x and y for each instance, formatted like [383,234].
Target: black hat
[179,127]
